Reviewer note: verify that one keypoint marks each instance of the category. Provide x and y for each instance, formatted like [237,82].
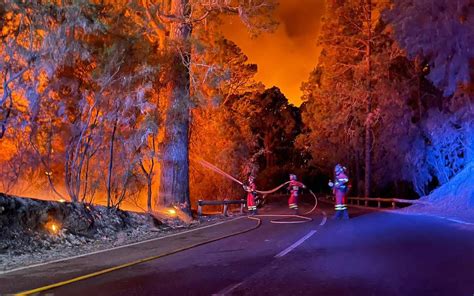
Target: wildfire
[53,227]
[172,212]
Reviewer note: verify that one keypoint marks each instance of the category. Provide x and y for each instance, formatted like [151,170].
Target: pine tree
[440,34]
[355,102]
[443,32]
[172,24]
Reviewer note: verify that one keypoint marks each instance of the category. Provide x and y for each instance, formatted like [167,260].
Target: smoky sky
[300,18]
[286,57]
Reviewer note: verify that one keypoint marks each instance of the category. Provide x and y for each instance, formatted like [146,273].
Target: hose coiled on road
[284,217]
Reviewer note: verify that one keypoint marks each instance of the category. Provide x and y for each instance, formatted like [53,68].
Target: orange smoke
[284,58]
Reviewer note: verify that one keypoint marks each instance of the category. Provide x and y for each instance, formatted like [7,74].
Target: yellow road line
[108,270]
[120,247]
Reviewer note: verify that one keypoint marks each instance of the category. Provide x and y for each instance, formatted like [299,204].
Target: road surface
[374,253]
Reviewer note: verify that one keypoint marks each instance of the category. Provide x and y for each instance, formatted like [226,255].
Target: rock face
[29,225]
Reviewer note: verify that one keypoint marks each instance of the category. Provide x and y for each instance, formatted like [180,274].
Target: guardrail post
[242,205]
[366,203]
[225,209]
[393,205]
[199,208]
[378,204]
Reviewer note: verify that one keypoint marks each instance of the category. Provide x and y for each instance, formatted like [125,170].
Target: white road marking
[228,290]
[429,215]
[116,248]
[325,218]
[293,246]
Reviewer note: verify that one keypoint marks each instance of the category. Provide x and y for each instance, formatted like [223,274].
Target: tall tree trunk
[86,179]
[68,172]
[174,172]
[148,198]
[368,123]
[149,180]
[111,162]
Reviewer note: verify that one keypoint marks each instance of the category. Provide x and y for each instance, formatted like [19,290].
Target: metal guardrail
[225,203]
[379,200]
[359,201]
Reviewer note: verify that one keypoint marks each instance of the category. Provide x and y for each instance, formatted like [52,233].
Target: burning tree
[116,99]
[83,83]
[37,40]
[171,25]
[75,83]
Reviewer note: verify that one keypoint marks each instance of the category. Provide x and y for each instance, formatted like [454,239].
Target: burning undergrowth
[35,231]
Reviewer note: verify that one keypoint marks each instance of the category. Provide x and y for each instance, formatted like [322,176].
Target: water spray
[303,219]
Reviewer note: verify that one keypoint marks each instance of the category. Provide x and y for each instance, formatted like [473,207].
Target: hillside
[453,200]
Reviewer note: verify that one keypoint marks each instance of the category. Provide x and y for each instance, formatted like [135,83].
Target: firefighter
[251,195]
[340,187]
[294,188]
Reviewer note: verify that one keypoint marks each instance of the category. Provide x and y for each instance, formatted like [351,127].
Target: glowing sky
[284,58]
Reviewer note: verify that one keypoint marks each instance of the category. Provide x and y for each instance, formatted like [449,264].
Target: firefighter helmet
[338,169]
[292,177]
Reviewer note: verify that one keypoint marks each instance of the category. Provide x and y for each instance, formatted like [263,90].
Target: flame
[172,212]
[53,227]
[62,200]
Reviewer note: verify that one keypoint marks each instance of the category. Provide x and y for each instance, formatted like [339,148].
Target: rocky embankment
[34,231]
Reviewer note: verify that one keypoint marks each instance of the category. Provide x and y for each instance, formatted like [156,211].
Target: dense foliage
[366,84]
[112,102]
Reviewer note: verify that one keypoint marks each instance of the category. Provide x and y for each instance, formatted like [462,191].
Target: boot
[337,215]
[345,215]
[255,212]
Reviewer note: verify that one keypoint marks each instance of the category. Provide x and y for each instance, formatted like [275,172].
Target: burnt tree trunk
[149,182]
[148,197]
[174,172]
[111,164]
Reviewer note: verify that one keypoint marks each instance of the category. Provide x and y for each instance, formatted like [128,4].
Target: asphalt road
[374,253]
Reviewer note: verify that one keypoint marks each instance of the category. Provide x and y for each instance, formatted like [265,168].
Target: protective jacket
[251,195]
[294,188]
[340,188]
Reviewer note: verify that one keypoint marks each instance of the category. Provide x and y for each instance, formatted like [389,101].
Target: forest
[115,102]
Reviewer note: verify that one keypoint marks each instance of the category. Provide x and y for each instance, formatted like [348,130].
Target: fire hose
[283,217]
